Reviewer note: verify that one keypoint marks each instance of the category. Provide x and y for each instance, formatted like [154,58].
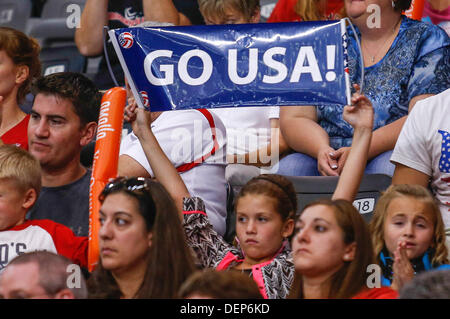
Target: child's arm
[163,169]
[360,116]
[200,235]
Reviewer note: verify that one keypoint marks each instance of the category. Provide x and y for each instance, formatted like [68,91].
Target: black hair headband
[281,187]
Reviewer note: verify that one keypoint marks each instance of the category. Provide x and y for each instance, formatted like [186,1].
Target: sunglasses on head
[140,187]
[131,184]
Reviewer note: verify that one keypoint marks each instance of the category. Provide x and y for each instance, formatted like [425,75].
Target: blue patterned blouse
[418,62]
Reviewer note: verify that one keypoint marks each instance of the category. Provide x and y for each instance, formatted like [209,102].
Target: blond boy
[20,184]
[230,11]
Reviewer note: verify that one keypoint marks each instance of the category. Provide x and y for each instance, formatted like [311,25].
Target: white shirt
[185,136]
[424,145]
[248,128]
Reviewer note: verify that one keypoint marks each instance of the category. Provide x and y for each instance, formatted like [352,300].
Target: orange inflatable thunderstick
[106,157]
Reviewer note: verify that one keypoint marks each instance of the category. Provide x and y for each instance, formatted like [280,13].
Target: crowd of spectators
[163,220]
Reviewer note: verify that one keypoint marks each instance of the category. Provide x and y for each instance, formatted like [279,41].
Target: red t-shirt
[43,234]
[284,11]
[18,134]
[377,293]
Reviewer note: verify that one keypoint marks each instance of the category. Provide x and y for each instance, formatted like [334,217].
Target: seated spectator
[63,120]
[253,136]
[421,154]
[408,234]
[42,275]
[20,183]
[19,64]
[195,142]
[89,36]
[123,14]
[307,10]
[331,249]
[428,285]
[265,208]
[213,284]
[143,251]
[318,133]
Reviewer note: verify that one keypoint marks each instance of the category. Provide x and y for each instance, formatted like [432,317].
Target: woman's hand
[403,270]
[326,164]
[341,157]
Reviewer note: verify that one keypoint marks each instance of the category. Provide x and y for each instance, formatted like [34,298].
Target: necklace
[372,57]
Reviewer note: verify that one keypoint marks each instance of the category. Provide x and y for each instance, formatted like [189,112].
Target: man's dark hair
[402,5]
[74,87]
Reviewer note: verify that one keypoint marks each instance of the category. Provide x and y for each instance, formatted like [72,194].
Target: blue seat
[15,13]
[62,8]
[55,30]
[310,188]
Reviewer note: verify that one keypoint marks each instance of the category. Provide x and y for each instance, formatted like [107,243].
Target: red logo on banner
[144,97]
[126,40]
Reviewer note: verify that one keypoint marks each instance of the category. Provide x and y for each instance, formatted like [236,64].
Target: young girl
[265,207]
[408,234]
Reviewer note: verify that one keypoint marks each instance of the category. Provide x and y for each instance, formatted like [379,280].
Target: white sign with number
[364,205]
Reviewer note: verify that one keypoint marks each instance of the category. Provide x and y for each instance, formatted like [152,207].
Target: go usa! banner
[214,66]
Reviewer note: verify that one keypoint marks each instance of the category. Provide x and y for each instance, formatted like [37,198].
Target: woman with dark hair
[19,64]
[265,208]
[332,249]
[143,251]
[404,61]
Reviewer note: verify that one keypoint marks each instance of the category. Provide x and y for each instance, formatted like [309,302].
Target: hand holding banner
[235,65]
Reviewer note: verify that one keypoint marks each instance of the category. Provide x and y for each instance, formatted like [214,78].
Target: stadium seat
[310,188]
[55,30]
[62,8]
[230,230]
[15,13]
